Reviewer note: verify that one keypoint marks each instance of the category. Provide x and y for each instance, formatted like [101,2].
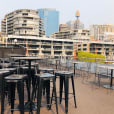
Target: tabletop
[27,58]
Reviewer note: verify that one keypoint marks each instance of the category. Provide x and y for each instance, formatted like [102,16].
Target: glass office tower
[50,18]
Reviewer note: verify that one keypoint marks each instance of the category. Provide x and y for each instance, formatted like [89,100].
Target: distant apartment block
[76,34]
[65,48]
[43,46]
[50,18]
[102,32]
[108,36]
[103,48]
[22,22]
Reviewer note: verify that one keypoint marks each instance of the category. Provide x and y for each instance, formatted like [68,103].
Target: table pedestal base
[108,87]
[27,106]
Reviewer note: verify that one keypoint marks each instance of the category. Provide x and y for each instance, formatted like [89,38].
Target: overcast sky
[91,11]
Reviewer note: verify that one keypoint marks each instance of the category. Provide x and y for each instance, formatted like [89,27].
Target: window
[84,49]
[84,44]
[79,45]
[25,14]
[25,21]
[23,24]
[28,10]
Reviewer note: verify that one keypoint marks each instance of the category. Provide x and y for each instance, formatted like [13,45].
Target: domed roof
[77,13]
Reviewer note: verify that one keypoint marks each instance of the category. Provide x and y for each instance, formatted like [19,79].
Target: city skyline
[91,12]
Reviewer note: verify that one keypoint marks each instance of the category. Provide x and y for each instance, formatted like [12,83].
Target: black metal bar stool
[46,70]
[3,74]
[13,81]
[45,78]
[64,79]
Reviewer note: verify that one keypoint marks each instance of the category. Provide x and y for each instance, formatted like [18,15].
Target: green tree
[90,57]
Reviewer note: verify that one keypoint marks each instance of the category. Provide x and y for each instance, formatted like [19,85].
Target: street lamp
[15,41]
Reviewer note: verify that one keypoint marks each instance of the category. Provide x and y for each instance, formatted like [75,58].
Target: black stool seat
[2,83]
[25,70]
[3,74]
[46,70]
[15,77]
[64,73]
[45,78]
[64,79]
[45,75]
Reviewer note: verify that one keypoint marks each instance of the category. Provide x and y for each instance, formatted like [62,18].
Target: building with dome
[76,24]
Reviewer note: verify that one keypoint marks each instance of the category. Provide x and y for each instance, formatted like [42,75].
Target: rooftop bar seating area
[35,85]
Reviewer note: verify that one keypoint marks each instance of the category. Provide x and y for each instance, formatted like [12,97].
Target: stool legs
[2,97]
[61,87]
[48,92]
[64,80]
[39,96]
[72,78]
[28,90]
[66,86]
[54,89]
[12,90]
[20,87]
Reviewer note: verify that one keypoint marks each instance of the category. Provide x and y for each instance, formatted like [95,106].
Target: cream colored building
[63,27]
[76,34]
[56,48]
[43,46]
[23,22]
[98,31]
[98,47]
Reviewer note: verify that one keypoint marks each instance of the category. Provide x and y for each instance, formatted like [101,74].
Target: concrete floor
[91,99]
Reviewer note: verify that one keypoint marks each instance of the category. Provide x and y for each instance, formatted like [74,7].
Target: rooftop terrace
[91,98]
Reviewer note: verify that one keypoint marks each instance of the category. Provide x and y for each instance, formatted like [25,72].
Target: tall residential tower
[22,22]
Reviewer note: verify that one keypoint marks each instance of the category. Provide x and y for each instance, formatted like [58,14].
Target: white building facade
[23,22]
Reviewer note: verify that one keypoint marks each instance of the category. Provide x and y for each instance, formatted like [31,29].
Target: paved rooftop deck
[91,99]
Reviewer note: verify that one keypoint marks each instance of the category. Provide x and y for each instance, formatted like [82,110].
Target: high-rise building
[22,22]
[50,19]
